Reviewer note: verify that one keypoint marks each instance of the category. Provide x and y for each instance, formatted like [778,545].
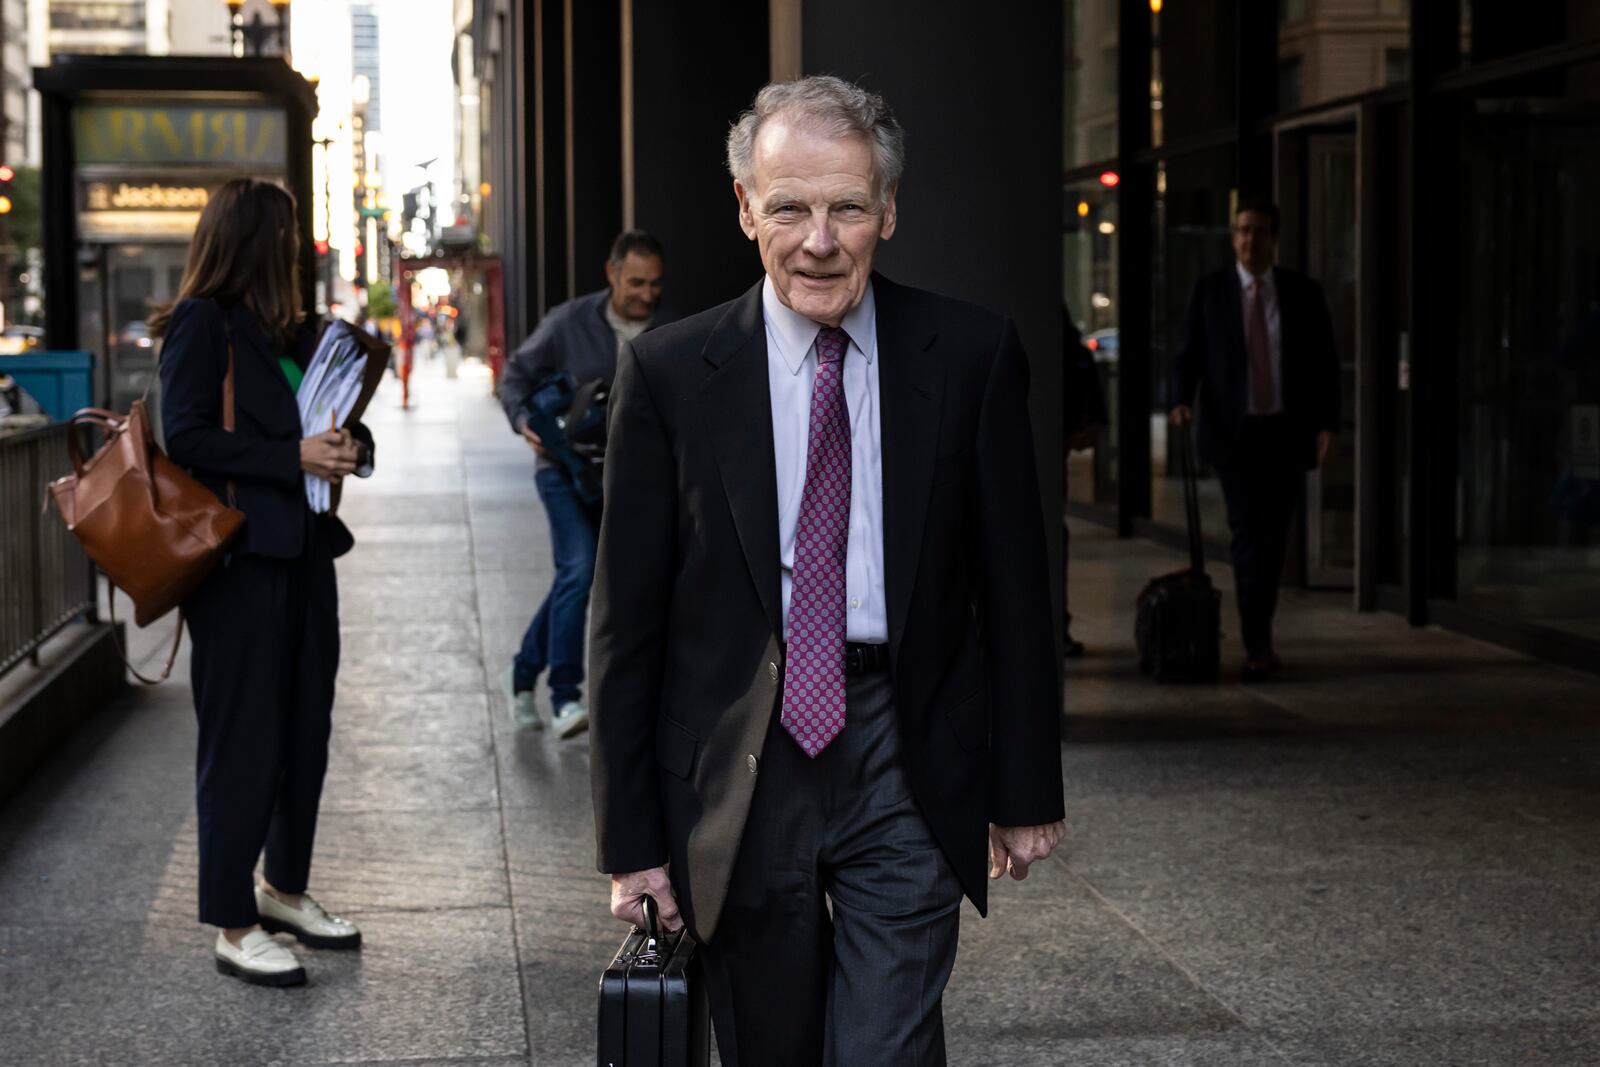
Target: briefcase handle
[652,924]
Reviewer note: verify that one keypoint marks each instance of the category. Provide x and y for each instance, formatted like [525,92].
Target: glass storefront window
[1194,68]
[1090,92]
[1089,303]
[1362,45]
[1528,514]
[1193,210]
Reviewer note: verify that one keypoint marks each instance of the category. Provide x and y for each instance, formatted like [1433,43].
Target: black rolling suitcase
[653,1012]
[1179,622]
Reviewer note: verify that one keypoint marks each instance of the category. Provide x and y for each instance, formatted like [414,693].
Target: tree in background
[380,301]
[20,234]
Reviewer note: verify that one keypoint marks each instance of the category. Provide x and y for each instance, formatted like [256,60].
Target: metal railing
[45,579]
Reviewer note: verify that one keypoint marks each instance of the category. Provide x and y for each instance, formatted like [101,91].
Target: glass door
[1318,191]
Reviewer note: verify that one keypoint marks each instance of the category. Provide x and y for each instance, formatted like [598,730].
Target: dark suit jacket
[1211,357]
[686,655]
[262,456]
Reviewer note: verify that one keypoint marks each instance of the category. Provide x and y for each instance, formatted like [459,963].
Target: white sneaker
[309,923]
[570,718]
[258,960]
[521,706]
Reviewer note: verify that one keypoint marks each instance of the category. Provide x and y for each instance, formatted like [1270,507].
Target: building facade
[1430,161]
[364,53]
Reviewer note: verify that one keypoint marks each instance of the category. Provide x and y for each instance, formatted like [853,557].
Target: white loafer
[309,923]
[569,719]
[259,960]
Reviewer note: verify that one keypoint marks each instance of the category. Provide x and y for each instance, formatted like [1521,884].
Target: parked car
[17,339]
[135,334]
[1104,345]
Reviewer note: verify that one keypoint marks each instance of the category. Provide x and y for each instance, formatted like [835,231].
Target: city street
[1387,858]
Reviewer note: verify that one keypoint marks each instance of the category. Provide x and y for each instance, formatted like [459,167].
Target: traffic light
[6,198]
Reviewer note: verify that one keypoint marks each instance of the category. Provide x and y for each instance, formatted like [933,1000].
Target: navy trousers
[554,639]
[1262,487]
[265,653]
[840,927]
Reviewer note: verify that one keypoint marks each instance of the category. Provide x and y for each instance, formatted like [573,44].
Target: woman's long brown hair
[246,248]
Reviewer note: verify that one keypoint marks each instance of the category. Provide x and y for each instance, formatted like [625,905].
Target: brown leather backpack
[153,530]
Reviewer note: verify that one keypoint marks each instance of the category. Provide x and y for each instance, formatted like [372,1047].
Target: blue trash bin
[62,382]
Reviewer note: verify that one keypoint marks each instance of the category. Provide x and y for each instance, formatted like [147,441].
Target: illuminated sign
[104,196]
[141,209]
[219,136]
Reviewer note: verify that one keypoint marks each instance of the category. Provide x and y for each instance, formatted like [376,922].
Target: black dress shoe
[1260,668]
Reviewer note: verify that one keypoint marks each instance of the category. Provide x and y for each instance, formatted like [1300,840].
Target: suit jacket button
[750,761]
[772,672]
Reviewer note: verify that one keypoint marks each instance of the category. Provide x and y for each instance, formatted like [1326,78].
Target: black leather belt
[865,659]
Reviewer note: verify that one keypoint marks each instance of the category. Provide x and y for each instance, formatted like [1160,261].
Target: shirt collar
[794,334]
[1246,278]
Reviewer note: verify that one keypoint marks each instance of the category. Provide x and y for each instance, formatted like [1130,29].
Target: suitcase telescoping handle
[1191,499]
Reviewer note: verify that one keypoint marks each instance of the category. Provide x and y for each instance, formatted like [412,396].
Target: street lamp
[236,26]
[248,39]
[281,9]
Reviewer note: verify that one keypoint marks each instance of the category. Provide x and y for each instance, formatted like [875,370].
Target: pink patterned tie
[813,678]
[1259,350]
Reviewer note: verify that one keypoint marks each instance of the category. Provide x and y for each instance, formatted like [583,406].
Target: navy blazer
[1212,360]
[262,456]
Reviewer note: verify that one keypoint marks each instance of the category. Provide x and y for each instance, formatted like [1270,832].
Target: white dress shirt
[1269,300]
[791,376]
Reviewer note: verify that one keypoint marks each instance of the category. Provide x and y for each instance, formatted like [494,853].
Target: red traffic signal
[6,173]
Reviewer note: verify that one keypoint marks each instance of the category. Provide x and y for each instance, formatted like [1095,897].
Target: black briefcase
[653,1011]
[1178,624]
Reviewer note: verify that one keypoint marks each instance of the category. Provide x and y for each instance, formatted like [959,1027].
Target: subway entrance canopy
[133,148]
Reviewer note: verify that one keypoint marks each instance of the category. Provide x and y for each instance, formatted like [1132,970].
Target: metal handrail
[45,579]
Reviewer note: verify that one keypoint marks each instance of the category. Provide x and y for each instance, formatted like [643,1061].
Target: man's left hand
[1325,441]
[1085,438]
[1015,848]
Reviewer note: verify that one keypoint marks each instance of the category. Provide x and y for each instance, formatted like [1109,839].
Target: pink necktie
[1260,352]
[813,677]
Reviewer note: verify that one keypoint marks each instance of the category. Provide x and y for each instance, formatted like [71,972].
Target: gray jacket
[573,337]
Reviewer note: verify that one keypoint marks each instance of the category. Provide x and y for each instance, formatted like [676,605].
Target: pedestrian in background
[580,338]
[264,626]
[1258,347]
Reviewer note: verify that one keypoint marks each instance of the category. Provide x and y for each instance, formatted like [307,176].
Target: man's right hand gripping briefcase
[653,1013]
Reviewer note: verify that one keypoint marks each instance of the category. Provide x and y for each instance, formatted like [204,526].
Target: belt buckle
[854,661]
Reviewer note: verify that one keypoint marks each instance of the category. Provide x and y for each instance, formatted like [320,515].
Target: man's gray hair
[825,105]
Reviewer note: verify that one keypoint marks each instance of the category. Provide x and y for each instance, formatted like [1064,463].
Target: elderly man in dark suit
[1258,347]
[824,682]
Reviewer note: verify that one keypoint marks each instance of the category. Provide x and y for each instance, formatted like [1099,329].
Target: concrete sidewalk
[1390,857]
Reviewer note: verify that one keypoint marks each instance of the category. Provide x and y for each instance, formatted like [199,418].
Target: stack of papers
[328,394]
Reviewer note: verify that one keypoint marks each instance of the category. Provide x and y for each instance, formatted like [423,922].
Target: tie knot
[831,343]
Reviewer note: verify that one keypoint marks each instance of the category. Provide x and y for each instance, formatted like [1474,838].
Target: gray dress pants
[840,927]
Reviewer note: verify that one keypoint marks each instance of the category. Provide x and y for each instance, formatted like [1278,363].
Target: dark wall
[696,66]
[597,143]
[978,90]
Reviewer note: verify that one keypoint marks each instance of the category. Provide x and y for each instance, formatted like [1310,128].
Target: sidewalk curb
[79,679]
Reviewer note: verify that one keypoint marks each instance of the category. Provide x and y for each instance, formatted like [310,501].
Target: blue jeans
[554,639]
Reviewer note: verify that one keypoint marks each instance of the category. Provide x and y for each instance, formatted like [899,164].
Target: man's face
[1255,241]
[813,210]
[635,285]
